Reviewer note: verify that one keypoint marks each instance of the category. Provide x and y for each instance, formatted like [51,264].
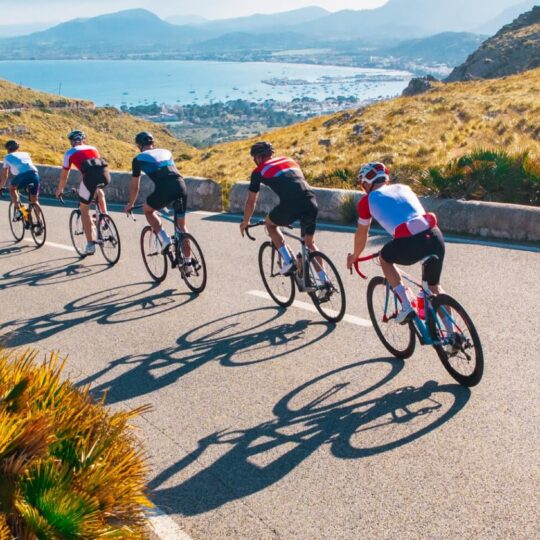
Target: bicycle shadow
[15,249]
[350,424]
[126,303]
[226,340]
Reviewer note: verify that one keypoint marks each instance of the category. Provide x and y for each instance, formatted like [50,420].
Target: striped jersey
[157,163]
[19,163]
[283,176]
[76,155]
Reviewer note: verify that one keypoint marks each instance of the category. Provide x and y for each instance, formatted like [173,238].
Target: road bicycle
[157,262]
[107,237]
[328,296]
[439,320]
[27,218]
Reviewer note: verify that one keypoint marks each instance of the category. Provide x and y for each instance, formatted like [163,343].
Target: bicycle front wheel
[383,307]
[329,296]
[109,239]
[154,261]
[194,274]
[16,224]
[456,340]
[38,227]
[280,288]
[76,231]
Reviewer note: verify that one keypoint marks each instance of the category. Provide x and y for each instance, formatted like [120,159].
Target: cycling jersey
[157,164]
[397,209]
[19,163]
[284,177]
[78,154]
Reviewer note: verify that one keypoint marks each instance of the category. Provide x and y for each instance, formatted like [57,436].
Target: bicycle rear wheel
[154,261]
[329,298]
[16,224]
[280,288]
[195,277]
[109,239]
[76,231]
[383,307]
[459,345]
[38,227]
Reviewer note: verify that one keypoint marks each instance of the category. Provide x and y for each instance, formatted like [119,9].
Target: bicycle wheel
[329,298]
[110,239]
[280,288]
[383,307]
[195,278]
[154,261]
[38,227]
[16,224]
[76,231]
[460,349]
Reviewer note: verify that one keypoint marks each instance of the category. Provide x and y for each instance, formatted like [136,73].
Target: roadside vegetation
[68,468]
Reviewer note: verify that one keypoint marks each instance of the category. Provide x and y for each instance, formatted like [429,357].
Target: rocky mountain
[514,49]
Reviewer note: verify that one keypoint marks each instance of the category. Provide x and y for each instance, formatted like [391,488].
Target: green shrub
[68,468]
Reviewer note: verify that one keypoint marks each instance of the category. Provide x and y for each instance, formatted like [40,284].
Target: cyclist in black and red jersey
[94,173]
[296,200]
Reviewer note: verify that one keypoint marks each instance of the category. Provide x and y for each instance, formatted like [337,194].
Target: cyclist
[169,188]
[415,233]
[24,172]
[94,173]
[296,201]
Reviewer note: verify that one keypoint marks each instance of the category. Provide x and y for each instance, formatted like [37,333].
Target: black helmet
[262,148]
[11,146]
[76,135]
[144,138]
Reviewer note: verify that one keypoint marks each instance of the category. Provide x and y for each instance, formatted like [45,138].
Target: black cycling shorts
[167,193]
[305,210]
[87,189]
[411,249]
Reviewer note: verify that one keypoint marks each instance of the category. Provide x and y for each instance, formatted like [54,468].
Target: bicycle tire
[336,290]
[154,261]
[16,226]
[451,358]
[110,244]
[272,277]
[376,313]
[76,231]
[38,228]
[198,263]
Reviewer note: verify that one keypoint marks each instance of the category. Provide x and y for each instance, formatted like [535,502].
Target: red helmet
[373,173]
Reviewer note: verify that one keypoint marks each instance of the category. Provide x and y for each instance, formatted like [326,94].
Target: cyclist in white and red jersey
[296,200]
[79,156]
[415,233]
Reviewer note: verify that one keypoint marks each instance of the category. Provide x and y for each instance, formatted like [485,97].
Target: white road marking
[54,245]
[358,321]
[165,527]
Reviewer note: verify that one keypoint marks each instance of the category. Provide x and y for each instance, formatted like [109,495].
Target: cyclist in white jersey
[415,233]
[24,173]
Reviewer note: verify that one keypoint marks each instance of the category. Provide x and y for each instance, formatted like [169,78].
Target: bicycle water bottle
[420,304]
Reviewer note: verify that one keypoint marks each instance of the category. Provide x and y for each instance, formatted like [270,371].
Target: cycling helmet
[76,135]
[262,148]
[374,173]
[11,146]
[144,138]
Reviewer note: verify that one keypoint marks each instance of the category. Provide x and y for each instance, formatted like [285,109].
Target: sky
[39,11]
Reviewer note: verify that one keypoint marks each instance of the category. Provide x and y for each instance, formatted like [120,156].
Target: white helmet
[374,172]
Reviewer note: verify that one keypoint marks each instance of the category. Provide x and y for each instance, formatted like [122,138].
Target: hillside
[411,134]
[41,121]
[515,48]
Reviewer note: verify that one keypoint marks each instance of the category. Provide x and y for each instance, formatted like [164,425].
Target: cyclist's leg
[86,193]
[155,202]
[433,268]
[14,191]
[101,201]
[308,224]
[280,216]
[33,192]
[180,205]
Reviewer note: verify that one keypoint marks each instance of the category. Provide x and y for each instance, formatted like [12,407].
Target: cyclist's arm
[249,208]
[4,177]
[133,191]
[360,241]
[63,181]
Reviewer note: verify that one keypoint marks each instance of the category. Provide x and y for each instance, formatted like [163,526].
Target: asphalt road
[270,423]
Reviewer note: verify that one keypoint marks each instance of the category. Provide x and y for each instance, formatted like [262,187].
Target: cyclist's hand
[58,194]
[243,226]
[350,260]
[128,208]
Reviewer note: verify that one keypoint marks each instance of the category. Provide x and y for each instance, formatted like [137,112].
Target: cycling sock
[448,325]
[402,295]
[164,238]
[285,254]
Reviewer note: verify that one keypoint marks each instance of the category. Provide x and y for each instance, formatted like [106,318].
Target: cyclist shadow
[227,340]
[118,305]
[350,424]
[12,249]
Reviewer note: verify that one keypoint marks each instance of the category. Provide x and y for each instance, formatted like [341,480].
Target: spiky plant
[68,468]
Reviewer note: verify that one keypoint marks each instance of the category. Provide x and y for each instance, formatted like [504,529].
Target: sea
[174,82]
